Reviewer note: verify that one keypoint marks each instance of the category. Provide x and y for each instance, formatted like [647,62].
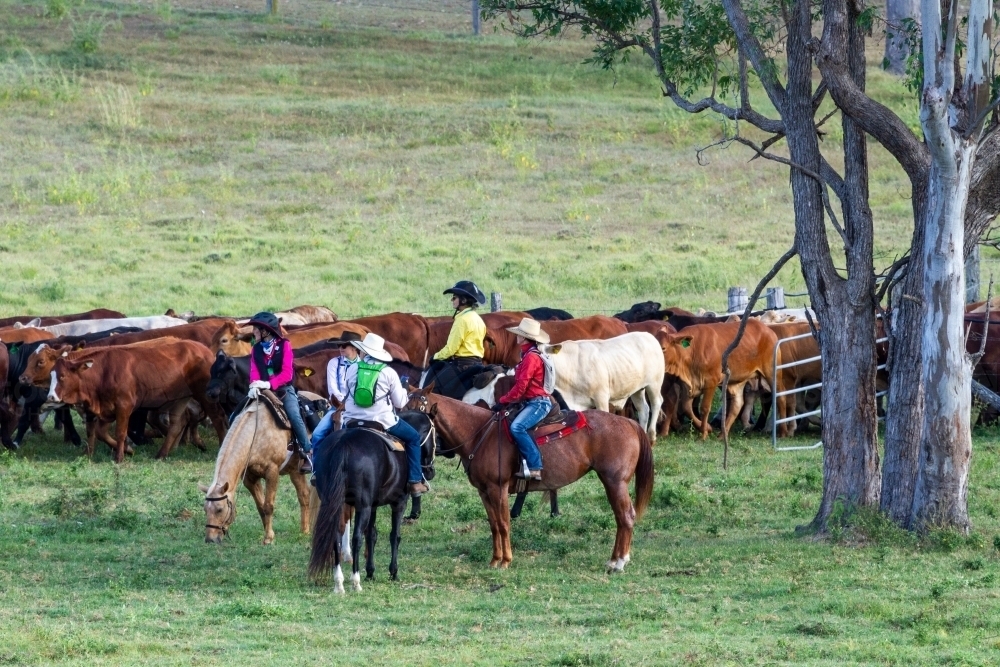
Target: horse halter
[229,517]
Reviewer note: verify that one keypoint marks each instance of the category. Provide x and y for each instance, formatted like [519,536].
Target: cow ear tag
[307,372]
[89,364]
[686,342]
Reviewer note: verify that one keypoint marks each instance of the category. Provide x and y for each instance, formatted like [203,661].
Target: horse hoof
[495,563]
[339,589]
[356,582]
[504,564]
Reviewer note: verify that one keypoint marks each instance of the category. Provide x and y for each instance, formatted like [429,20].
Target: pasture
[197,155]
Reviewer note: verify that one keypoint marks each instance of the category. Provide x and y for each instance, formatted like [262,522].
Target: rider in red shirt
[529,386]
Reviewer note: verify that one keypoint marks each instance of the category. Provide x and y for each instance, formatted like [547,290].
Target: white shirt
[336,377]
[389,396]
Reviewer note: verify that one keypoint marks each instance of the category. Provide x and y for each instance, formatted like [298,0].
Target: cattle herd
[161,376]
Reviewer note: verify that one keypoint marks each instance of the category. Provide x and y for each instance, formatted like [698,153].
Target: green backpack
[364,390]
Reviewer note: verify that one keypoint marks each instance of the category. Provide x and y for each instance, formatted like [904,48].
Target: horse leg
[302,493]
[362,518]
[394,537]
[345,532]
[370,546]
[553,504]
[491,515]
[415,505]
[621,505]
[264,508]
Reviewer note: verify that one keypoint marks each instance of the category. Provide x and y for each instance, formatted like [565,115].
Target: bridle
[231,516]
[423,406]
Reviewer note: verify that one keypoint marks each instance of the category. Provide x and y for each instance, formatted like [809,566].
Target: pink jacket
[287,369]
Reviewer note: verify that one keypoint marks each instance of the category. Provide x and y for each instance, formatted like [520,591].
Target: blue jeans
[290,400]
[323,428]
[534,411]
[411,441]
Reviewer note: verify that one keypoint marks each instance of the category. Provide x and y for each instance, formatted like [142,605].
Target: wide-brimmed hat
[374,346]
[345,338]
[530,329]
[469,289]
[266,320]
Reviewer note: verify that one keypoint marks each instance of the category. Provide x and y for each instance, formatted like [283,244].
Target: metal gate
[798,390]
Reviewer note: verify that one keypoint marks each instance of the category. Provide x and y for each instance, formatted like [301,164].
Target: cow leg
[69,430]
[122,414]
[655,400]
[36,423]
[216,414]
[177,425]
[642,412]
[137,426]
[734,407]
[302,493]
[706,408]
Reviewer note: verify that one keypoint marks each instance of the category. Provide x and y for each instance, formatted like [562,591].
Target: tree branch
[791,252]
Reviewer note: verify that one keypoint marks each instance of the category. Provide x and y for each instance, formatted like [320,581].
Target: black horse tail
[643,472]
[331,480]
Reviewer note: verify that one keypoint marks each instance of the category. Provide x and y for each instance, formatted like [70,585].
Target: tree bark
[896,49]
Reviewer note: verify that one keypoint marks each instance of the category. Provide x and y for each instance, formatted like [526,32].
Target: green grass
[107,565]
[201,155]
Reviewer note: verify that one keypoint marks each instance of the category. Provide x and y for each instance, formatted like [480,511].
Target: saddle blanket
[568,422]
[374,427]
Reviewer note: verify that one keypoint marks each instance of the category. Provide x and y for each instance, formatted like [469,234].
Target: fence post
[496,302]
[775,298]
[737,299]
[475,17]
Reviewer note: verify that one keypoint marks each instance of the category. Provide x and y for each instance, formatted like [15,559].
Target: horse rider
[464,349]
[529,387]
[271,368]
[336,383]
[374,393]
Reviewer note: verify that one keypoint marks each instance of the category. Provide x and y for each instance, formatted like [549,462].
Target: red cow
[501,345]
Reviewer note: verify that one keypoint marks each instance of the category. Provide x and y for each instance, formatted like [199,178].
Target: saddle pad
[392,443]
[570,422]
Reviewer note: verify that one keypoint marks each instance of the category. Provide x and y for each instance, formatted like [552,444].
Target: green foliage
[87,34]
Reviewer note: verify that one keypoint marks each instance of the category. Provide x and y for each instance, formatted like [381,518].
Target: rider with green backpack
[374,393]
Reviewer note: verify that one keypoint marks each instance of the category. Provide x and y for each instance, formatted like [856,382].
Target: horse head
[220,512]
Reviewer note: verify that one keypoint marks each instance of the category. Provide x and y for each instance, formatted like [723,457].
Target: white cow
[788,315]
[83,327]
[605,373]
[300,315]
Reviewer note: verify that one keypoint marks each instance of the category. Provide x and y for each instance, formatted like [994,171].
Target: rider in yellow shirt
[464,349]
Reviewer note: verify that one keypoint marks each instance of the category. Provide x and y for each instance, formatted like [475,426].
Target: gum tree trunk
[896,50]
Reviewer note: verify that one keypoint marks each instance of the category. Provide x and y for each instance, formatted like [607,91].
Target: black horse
[355,467]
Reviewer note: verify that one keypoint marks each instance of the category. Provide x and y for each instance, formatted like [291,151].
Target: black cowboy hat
[266,320]
[469,289]
[345,338]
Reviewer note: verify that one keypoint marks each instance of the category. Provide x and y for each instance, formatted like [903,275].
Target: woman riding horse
[464,349]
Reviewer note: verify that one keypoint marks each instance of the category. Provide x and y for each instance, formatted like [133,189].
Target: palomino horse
[614,447]
[253,450]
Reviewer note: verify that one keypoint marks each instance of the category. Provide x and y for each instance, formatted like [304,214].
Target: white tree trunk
[896,50]
[940,493]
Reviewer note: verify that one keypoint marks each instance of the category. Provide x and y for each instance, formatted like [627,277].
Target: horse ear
[225,487]
[203,488]
[429,388]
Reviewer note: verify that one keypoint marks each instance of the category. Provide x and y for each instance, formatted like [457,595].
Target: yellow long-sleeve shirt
[466,336]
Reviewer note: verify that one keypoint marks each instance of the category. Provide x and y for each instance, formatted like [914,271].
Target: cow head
[67,378]
[220,512]
[232,340]
[676,352]
[38,368]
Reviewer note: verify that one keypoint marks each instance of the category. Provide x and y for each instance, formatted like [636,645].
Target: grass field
[364,155]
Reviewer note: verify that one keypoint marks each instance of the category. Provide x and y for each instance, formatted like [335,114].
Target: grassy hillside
[361,155]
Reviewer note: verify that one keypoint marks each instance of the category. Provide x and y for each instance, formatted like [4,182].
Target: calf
[111,383]
[695,356]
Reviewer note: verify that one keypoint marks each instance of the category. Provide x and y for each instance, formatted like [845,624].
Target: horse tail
[643,472]
[331,479]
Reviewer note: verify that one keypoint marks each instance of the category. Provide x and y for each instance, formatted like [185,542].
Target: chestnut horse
[614,447]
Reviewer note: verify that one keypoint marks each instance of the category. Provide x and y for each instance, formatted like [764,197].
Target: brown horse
[614,447]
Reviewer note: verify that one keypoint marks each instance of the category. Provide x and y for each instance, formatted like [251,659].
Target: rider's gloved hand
[260,384]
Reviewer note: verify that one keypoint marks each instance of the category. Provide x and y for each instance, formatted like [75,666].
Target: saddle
[376,428]
[555,425]
[311,410]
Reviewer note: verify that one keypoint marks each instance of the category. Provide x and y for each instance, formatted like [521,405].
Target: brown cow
[672,390]
[408,331]
[202,331]
[49,320]
[310,370]
[24,335]
[234,340]
[695,356]
[440,327]
[6,414]
[112,382]
[501,345]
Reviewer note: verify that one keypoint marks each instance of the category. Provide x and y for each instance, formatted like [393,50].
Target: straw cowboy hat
[374,346]
[530,329]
